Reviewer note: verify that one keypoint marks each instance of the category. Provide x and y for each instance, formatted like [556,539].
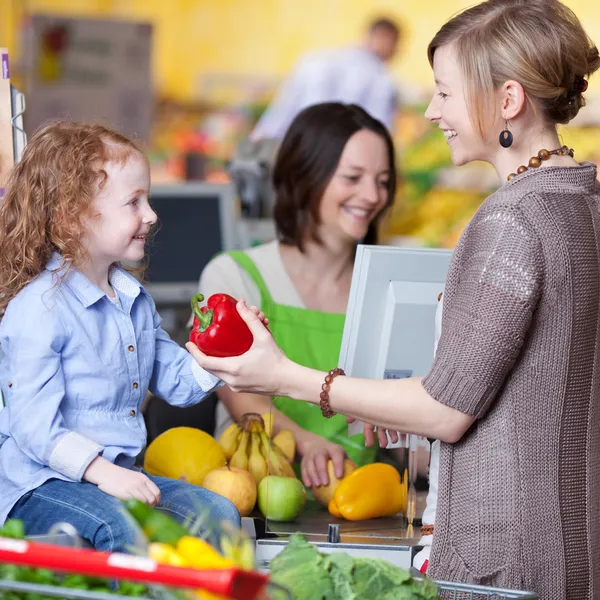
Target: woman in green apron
[334,177]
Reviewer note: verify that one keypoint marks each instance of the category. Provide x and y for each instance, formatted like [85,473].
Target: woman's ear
[512,98]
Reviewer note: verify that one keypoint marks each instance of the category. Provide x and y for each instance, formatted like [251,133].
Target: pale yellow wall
[196,37]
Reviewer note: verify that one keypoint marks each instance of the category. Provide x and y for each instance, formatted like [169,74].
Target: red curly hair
[49,197]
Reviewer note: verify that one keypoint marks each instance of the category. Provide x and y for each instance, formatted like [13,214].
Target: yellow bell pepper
[201,555]
[165,555]
[372,491]
[191,552]
[333,509]
[202,595]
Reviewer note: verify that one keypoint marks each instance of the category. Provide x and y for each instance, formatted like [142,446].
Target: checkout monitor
[389,332]
[195,222]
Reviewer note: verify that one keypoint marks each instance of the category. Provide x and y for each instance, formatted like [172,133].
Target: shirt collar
[87,292]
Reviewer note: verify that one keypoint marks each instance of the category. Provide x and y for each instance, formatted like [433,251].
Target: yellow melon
[184,453]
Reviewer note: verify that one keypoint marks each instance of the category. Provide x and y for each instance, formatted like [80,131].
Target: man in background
[353,75]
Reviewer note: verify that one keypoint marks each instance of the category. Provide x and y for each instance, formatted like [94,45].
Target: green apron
[312,339]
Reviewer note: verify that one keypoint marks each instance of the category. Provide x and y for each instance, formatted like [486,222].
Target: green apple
[281,498]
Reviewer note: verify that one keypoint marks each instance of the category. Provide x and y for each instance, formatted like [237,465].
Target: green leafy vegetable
[13,528]
[310,575]
[301,568]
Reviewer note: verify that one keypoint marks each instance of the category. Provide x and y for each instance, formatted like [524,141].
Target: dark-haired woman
[334,179]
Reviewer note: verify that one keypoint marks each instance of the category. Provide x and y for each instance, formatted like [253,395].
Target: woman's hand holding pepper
[261,370]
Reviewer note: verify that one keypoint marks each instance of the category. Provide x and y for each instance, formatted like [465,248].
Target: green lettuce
[310,575]
[301,568]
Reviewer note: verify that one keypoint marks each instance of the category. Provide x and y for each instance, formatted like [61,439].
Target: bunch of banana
[247,445]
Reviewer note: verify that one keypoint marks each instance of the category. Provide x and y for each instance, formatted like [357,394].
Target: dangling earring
[506,137]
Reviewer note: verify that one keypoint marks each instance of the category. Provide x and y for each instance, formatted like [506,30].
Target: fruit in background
[193,553]
[372,491]
[183,453]
[246,445]
[334,510]
[269,423]
[257,463]
[240,456]
[276,459]
[164,554]
[281,498]
[230,440]
[324,493]
[285,441]
[236,485]
[199,554]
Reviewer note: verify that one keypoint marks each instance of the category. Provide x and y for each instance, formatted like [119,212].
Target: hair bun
[593,60]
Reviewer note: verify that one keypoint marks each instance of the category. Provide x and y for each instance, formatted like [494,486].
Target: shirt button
[130,348]
[10,384]
[135,385]
[132,413]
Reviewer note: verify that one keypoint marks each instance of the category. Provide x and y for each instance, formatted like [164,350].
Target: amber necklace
[536,161]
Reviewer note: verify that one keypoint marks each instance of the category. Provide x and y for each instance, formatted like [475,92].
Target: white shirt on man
[352,75]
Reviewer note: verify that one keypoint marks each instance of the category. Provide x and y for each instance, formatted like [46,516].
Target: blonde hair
[49,195]
[539,43]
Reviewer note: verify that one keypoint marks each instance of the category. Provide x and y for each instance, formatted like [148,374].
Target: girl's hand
[316,452]
[122,483]
[261,370]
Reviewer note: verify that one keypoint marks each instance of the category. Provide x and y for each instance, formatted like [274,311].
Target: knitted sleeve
[491,294]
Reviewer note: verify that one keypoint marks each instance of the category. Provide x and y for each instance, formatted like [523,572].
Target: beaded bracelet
[324,403]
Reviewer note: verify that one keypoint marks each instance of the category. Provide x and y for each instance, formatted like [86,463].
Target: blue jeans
[102,520]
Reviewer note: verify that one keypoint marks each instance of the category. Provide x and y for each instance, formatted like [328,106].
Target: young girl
[514,391]
[82,342]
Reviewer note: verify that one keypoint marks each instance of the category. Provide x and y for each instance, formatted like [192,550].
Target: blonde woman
[514,391]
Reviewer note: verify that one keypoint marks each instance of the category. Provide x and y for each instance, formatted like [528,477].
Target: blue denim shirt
[75,370]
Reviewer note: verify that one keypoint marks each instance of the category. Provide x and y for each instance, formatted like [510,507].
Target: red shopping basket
[234,583]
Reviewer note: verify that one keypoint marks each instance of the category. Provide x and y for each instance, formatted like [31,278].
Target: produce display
[253,469]
[184,453]
[376,490]
[218,329]
[254,458]
[310,575]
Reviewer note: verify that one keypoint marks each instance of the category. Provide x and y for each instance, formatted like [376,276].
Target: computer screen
[389,332]
[196,221]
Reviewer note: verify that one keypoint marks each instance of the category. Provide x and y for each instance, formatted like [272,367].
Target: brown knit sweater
[519,494]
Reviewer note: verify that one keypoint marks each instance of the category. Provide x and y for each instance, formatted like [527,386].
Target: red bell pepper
[218,329]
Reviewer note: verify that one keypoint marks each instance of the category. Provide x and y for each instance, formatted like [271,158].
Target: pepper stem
[204,319]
